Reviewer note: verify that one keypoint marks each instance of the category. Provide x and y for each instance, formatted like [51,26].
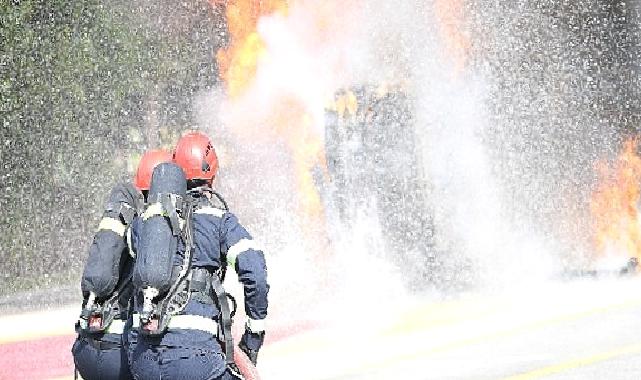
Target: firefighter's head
[146,166]
[195,154]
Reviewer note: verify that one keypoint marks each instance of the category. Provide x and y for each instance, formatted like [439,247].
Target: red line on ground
[50,357]
[37,359]
[285,332]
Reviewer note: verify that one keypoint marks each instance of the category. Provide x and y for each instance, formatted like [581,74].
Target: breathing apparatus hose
[207,189]
[187,260]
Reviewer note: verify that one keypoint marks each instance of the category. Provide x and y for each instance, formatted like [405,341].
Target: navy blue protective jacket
[218,233]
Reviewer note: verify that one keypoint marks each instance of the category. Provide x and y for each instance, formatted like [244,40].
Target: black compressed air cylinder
[158,246]
[108,249]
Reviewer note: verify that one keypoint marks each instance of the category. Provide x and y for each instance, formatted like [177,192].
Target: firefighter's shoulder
[211,210]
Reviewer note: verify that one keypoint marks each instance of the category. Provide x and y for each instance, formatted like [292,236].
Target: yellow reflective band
[112,224]
[130,244]
[193,322]
[256,325]
[242,246]
[210,211]
[154,209]
[135,320]
[116,326]
[186,322]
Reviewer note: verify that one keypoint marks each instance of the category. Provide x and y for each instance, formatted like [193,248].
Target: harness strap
[225,319]
[172,214]
[200,286]
[168,306]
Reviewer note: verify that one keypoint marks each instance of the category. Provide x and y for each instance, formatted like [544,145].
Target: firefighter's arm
[248,260]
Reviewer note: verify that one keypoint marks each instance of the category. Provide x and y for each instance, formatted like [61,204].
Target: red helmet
[146,166]
[195,154]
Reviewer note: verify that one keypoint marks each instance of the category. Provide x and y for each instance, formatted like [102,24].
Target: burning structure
[373,160]
[367,147]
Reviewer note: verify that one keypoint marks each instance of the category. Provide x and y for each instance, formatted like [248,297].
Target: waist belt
[186,322]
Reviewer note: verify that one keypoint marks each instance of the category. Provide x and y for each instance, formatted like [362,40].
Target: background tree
[85,87]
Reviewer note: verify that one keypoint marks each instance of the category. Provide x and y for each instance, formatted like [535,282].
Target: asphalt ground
[586,329]
[579,330]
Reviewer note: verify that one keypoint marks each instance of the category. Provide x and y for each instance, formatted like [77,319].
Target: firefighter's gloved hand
[250,343]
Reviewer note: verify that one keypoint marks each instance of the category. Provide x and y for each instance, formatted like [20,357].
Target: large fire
[280,111]
[450,15]
[616,227]
[238,62]
[278,84]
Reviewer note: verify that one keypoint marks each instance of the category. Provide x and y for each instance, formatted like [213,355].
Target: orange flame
[613,204]
[287,116]
[450,16]
[238,62]
[291,120]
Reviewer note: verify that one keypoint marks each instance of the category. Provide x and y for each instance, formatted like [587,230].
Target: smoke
[562,94]
[513,137]
[503,128]
[472,211]
[428,47]
[269,140]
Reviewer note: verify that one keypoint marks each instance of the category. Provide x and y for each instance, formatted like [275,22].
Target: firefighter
[98,351]
[182,327]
